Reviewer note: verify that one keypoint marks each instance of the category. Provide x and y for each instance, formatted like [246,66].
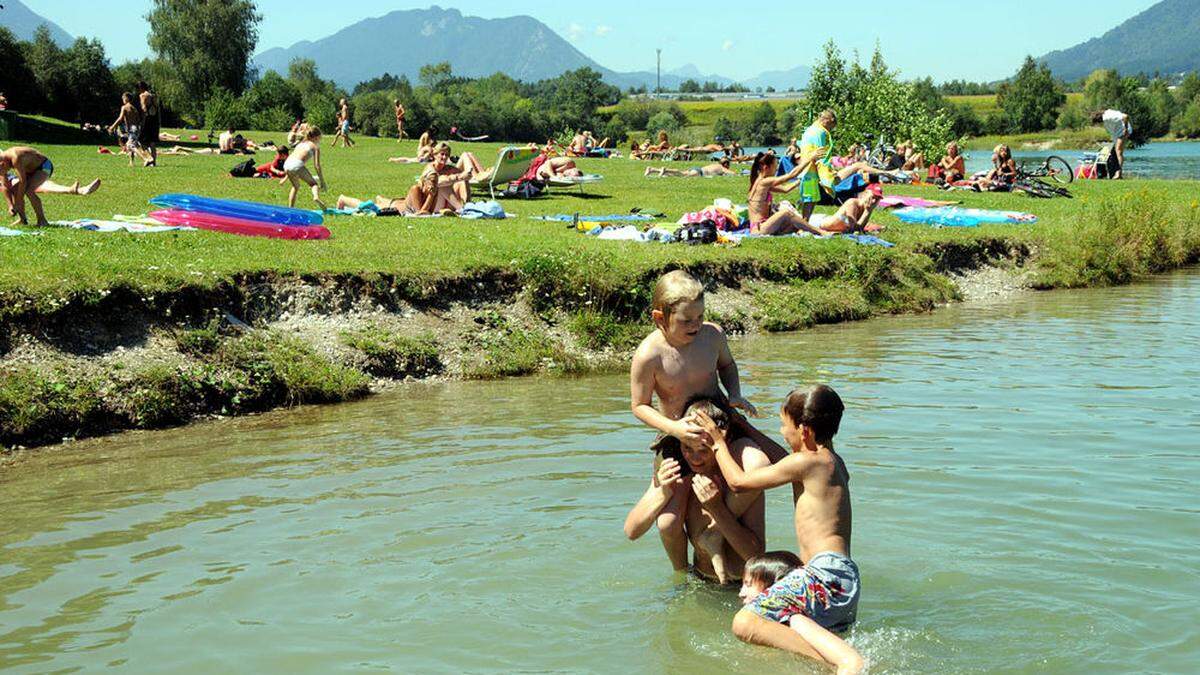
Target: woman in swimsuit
[453,183]
[764,217]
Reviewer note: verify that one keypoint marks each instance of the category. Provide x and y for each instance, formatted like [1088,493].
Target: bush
[964,121]
[374,114]
[725,130]
[272,119]
[1031,99]
[663,121]
[760,130]
[224,110]
[997,123]
[1074,116]
[1187,123]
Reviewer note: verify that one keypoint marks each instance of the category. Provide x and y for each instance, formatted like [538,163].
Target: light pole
[658,75]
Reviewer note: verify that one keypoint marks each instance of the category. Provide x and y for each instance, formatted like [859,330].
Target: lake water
[1153,160]
[1025,497]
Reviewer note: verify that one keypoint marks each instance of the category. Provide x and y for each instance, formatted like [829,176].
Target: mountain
[782,80]
[1165,38]
[691,72]
[22,21]
[402,41]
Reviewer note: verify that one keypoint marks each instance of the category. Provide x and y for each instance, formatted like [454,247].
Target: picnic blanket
[948,216]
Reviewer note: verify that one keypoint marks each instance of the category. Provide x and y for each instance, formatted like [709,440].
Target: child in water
[761,573]
[298,173]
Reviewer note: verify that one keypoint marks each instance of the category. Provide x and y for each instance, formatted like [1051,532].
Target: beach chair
[511,164]
[573,181]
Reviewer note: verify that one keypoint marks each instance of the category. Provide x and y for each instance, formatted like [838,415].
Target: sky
[944,39]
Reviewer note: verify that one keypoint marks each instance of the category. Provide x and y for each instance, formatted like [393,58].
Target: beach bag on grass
[703,232]
[244,170]
[525,189]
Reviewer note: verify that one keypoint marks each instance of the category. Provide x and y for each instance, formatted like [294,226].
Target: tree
[663,121]
[1188,90]
[208,43]
[94,93]
[689,86]
[1160,104]
[1187,123]
[435,75]
[273,91]
[48,64]
[725,130]
[1031,99]
[761,128]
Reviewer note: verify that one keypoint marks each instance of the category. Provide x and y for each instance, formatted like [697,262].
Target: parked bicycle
[1055,168]
[1030,181]
[882,155]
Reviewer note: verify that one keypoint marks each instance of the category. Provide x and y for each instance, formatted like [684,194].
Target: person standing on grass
[24,172]
[399,121]
[151,122]
[343,119]
[298,173]
[1120,129]
[130,118]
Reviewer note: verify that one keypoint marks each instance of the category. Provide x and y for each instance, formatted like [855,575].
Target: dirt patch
[991,283]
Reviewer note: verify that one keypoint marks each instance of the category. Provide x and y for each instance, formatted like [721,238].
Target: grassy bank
[105,332]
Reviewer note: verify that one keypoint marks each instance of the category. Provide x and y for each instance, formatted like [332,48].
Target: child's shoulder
[712,330]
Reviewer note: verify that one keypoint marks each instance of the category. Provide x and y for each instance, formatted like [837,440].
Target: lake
[1025,495]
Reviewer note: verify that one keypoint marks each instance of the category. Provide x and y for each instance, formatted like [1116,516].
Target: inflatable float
[957,217]
[242,226]
[232,208]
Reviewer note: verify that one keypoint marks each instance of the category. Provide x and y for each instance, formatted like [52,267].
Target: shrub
[224,110]
[663,121]
[395,356]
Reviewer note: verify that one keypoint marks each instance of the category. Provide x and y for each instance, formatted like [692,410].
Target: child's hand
[705,490]
[710,427]
[669,474]
[740,402]
[686,430]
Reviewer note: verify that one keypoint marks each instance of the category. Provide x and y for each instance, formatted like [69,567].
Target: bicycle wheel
[1059,170]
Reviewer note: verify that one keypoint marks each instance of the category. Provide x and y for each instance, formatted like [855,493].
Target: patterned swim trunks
[825,590]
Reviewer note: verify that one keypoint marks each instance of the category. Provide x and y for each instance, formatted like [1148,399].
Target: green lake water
[1025,485]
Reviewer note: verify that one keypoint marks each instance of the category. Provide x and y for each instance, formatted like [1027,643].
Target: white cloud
[603,30]
[727,45]
[574,32]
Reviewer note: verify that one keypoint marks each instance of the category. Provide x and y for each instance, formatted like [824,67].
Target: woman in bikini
[453,183]
[765,216]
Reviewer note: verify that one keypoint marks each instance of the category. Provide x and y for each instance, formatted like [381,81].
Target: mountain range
[520,46]
[1165,38]
[23,21]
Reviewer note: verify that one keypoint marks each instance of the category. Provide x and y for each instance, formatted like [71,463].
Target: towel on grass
[107,226]
[9,232]
[491,210]
[900,200]
[614,218]
[864,239]
[949,216]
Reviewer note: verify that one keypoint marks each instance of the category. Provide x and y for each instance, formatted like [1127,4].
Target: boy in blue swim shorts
[826,589]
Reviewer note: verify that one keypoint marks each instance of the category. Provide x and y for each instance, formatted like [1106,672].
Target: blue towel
[869,240]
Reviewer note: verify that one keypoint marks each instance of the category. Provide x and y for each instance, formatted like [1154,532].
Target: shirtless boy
[716,516]
[826,589]
[31,172]
[952,167]
[684,358]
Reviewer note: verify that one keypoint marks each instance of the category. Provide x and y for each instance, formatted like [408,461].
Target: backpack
[703,232]
[524,189]
[243,170]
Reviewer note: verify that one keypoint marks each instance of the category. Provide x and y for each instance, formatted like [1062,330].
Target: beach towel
[948,216]
[864,239]
[9,232]
[108,226]
[632,233]
[611,218]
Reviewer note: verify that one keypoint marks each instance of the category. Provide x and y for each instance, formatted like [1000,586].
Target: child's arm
[727,371]
[744,540]
[788,470]
[833,649]
[641,394]
[644,513]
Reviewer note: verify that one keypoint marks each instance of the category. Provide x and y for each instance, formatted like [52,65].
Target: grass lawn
[59,262]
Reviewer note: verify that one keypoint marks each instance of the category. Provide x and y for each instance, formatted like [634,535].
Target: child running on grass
[24,172]
[298,173]
[826,589]
[761,573]
[684,358]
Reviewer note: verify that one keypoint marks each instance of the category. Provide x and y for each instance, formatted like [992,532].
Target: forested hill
[1165,38]
[23,21]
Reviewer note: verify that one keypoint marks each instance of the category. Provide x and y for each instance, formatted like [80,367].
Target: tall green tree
[48,64]
[94,93]
[1031,99]
[208,43]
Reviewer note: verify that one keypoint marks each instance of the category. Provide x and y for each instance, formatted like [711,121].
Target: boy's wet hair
[820,409]
[674,289]
[709,407]
[771,566]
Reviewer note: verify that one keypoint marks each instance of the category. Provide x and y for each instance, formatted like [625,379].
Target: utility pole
[658,75]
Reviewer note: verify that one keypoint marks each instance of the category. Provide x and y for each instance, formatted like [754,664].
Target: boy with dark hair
[826,589]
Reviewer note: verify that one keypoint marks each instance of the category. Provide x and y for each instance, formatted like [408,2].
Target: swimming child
[826,589]
[685,357]
[298,173]
[761,573]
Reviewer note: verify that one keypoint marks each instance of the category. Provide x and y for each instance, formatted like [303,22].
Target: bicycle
[1056,168]
[883,155]
[1031,183]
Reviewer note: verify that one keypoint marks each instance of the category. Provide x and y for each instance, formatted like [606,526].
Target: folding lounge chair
[511,164]
[572,181]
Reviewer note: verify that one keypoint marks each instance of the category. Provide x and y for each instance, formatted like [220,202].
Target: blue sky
[726,37]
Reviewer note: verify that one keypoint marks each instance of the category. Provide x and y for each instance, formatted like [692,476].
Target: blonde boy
[684,358]
[298,174]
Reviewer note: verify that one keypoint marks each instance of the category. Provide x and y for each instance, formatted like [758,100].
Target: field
[531,296]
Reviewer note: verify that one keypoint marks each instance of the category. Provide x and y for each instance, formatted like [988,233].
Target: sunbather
[853,216]
[424,151]
[419,201]
[766,217]
[556,167]
[452,182]
[718,168]
[951,168]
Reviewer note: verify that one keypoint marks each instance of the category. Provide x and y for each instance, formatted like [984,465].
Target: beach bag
[524,189]
[244,170]
[703,232]
[1106,161]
